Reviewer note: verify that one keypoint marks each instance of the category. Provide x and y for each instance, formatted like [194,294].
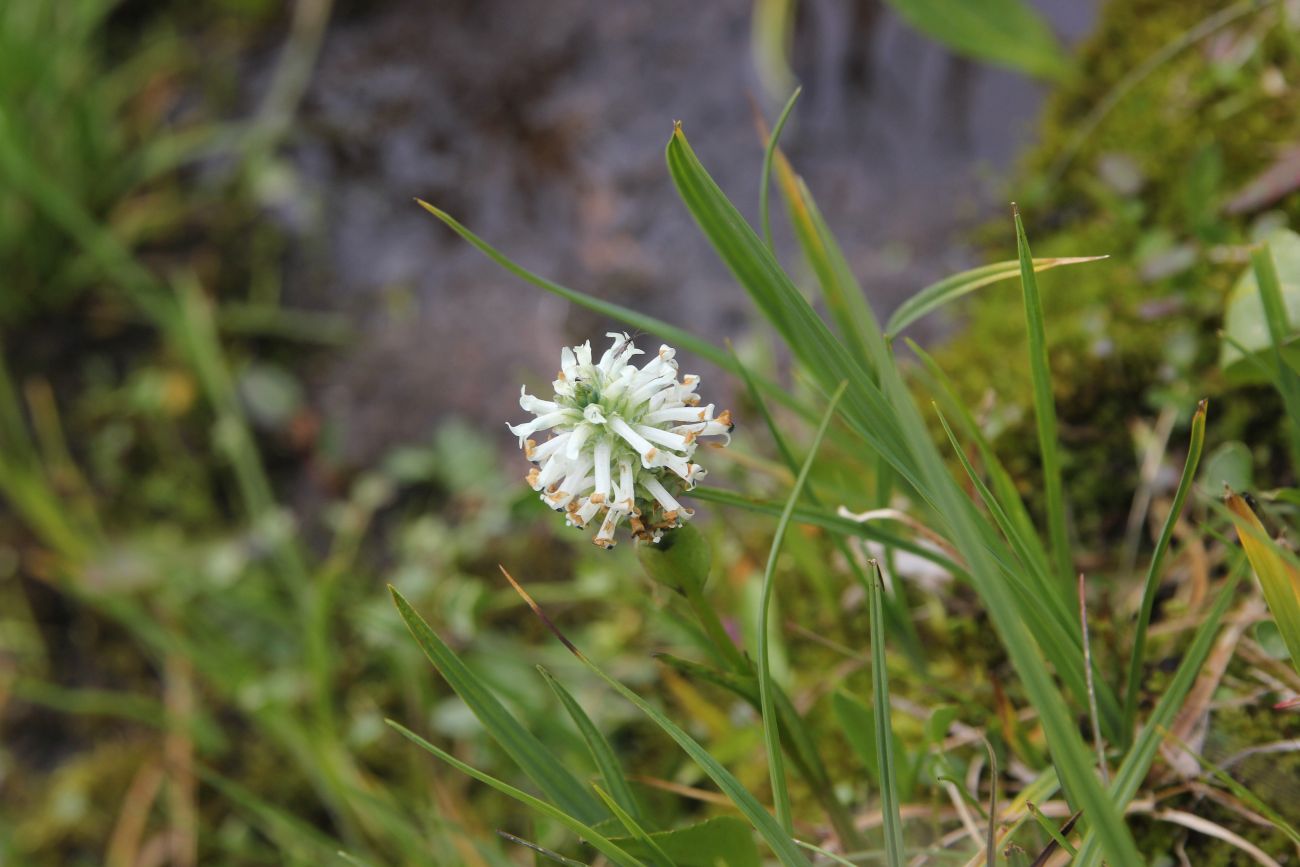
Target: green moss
[1135,332]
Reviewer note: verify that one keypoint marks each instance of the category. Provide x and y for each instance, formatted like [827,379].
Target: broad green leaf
[949,289]
[601,752]
[1279,579]
[1230,465]
[1003,32]
[1244,319]
[600,843]
[530,754]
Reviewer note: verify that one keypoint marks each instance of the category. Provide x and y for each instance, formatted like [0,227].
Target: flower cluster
[621,440]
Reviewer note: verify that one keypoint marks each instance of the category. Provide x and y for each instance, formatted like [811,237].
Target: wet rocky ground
[542,126]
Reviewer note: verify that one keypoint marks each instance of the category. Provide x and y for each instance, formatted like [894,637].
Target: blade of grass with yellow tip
[884,414]
[1279,579]
[949,289]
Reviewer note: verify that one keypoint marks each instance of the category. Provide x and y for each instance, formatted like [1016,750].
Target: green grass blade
[1137,761]
[781,303]
[893,824]
[771,725]
[886,418]
[599,842]
[634,828]
[1031,593]
[829,521]
[1152,582]
[1003,486]
[601,752]
[1287,380]
[540,851]
[679,337]
[1044,405]
[1279,578]
[768,828]
[532,757]
[844,297]
[949,289]
[764,186]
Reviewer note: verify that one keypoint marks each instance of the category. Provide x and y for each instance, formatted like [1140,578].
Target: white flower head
[621,440]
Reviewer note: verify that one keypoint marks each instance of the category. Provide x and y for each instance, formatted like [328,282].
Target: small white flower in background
[621,440]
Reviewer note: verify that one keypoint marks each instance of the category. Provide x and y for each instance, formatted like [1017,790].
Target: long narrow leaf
[1137,761]
[886,418]
[679,337]
[634,828]
[768,828]
[1152,583]
[771,725]
[599,842]
[1044,404]
[884,727]
[601,752]
[765,216]
[949,289]
[1279,579]
[532,757]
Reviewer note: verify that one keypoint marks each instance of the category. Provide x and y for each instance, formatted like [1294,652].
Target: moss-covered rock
[1149,185]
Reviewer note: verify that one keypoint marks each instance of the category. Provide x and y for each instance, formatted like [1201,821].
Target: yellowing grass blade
[1279,579]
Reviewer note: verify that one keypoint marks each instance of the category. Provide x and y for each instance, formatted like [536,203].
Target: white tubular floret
[622,439]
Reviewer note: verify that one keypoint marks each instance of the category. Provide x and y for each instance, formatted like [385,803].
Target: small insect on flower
[621,440]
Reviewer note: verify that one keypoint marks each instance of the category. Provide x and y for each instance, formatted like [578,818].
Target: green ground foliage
[1155,185]
[193,671]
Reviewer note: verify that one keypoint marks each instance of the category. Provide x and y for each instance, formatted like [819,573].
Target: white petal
[660,493]
[542,422]
[604,448]
[681,414]
[662,437]
[579,439]
[550,447]
[605,535]
[635,440]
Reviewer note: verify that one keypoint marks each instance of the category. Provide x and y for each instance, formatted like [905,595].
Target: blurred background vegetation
[246,383]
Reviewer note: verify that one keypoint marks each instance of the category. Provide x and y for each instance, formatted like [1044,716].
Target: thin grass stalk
[771,725]
[1152,583]
[890,801]
[1044,403]
[764,186]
